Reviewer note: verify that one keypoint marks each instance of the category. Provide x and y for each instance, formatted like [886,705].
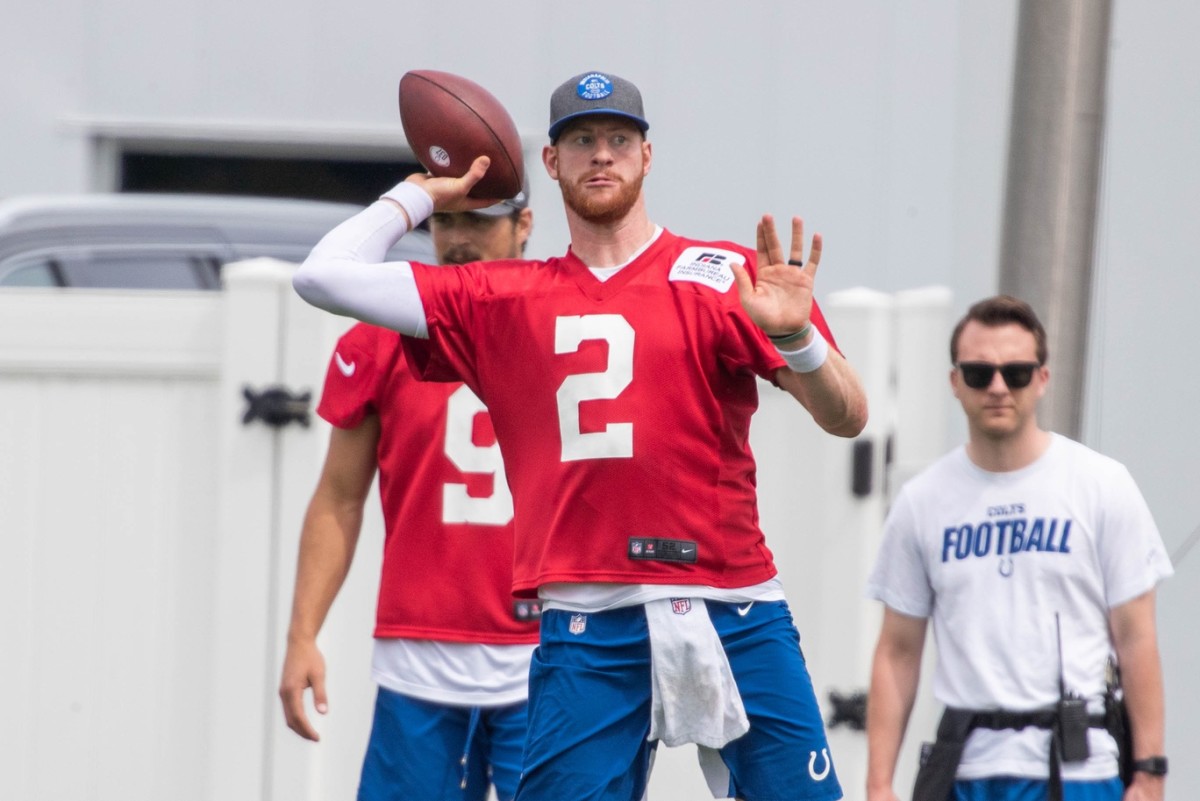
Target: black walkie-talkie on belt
[1072,713]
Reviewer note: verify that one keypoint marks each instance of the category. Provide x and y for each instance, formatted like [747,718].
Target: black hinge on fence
[276,406]
[862,468]
[848,710]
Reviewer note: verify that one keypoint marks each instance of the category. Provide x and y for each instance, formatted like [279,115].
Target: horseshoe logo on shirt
[1006,566]
[812,761]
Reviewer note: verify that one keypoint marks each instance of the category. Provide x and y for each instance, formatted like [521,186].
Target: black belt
[939,762]
[1038,718]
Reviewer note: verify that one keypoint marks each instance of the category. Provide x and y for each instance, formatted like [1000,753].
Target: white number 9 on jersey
[457,505]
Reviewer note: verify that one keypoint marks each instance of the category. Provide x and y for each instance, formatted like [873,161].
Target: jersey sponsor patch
[662,550]
[708,266]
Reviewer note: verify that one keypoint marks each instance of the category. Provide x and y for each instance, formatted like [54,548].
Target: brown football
[449,121]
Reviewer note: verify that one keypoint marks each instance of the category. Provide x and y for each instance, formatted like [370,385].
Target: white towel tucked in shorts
[695,699]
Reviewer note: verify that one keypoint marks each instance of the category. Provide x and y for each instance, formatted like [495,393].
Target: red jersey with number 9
[448,550]
[622,409]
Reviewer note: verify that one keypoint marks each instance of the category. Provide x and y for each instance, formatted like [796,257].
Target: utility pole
[1055,148]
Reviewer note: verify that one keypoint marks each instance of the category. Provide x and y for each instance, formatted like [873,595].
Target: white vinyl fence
[148,538]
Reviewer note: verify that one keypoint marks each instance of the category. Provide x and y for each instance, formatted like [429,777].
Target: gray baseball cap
[595,93]
[507,207]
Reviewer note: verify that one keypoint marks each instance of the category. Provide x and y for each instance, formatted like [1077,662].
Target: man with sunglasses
[1037,559]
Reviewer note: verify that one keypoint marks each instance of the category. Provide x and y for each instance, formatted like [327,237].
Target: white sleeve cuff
[808,358]
[416,202]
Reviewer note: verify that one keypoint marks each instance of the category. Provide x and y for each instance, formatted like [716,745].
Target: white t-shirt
[993,558]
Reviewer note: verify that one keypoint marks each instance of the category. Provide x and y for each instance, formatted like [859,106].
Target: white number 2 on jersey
[616,440]
[457,505]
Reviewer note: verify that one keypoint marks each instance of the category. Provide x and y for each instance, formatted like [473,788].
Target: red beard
[601,210]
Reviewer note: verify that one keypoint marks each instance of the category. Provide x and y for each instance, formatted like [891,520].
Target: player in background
[621,379]
[1036,558]
[452,645]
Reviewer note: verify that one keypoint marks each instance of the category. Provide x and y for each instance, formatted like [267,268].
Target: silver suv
[153,241]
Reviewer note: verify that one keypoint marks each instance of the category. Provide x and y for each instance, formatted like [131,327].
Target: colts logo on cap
[595,86]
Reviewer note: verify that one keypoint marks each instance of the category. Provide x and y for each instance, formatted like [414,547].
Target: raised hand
[779,299]
[450,194]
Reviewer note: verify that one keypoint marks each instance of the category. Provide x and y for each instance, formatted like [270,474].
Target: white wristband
[808,358]
[416,202]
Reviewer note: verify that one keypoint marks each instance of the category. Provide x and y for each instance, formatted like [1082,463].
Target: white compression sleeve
[345,273]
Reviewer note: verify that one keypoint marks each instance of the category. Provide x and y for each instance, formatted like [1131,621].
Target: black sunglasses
[978,375]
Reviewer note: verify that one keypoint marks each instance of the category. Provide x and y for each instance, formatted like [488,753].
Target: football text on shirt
[1006,537]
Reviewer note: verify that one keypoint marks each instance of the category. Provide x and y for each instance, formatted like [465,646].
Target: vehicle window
[146,247]
[29,272]
[139,271]
[289,253]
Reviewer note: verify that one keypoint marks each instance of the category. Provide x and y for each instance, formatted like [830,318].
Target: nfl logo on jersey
[681,606]
[578,624]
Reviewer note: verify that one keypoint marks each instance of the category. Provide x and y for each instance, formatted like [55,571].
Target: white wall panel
[330,768]
[107,522]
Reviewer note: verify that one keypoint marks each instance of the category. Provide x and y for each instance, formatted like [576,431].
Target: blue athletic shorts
[589,708]
[1012,789]
[438,752]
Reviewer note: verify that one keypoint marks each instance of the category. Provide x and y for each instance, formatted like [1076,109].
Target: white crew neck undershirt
[604,273]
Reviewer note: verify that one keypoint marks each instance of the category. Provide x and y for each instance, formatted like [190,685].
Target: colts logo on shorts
[681,606]
[578,624]
[819,776]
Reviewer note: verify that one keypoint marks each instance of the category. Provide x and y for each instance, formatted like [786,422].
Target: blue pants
[590,696]
[1012,789]
[436,752]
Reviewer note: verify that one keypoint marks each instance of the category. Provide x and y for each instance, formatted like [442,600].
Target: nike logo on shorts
[346,367]
[745,610]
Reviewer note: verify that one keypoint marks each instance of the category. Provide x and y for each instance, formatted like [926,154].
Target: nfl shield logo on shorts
[578,624]
[681,606]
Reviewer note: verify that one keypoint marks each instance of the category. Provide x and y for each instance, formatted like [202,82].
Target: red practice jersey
[448,551]
[623,409]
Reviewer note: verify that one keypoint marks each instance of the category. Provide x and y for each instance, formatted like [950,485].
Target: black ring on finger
[796,262]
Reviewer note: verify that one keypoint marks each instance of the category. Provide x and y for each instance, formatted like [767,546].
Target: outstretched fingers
[814,252]
[769,249]
[814,255]
[742,280]
[797,252]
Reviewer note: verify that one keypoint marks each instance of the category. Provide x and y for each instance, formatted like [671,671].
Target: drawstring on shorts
[464,763]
